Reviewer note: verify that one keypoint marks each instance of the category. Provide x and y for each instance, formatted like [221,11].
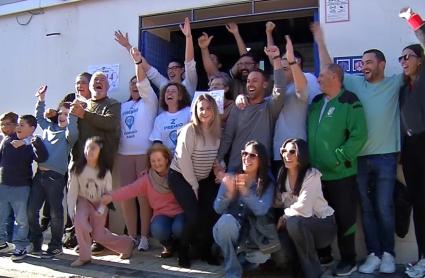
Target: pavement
[141,264]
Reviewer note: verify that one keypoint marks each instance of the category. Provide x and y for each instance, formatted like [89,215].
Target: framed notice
[337,10]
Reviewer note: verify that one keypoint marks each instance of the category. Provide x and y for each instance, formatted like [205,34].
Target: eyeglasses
[249,155]
[174,67]
[406,57]
[292,151]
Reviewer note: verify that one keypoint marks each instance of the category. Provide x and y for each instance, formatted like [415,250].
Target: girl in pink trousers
[90,179]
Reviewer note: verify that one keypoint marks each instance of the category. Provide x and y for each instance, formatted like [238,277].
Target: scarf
[159,183]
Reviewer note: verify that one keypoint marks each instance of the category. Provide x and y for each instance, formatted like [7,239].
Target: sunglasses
[406,57]
[249,155]
[292,151]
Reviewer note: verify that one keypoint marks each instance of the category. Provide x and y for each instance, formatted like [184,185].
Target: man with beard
[257,120]
[378,157]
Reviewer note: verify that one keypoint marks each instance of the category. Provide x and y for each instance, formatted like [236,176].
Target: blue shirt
[380,104]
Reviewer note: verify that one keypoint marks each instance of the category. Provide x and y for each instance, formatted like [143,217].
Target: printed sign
[218,95]
[111,71]
[337,10]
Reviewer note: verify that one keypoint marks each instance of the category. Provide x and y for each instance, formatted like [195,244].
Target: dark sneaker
[5,248]
[51,253]
[345,268]
[19,254]
[97,248]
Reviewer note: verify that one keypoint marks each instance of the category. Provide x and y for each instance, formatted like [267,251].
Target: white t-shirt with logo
[137,119]
[166,126]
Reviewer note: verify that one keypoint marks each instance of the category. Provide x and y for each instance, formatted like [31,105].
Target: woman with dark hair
[412,112]
[243,199]
[175,102]
[192,180]
[308,219]
[137,117]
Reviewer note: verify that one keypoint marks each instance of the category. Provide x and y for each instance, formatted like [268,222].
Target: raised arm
[234,30]
[300,82]
[325,58]
[204,41]
[416,22]
[276,102]
[269,34]
[123,40]
[191,77]
[138,61]
[187,32]
[41,107]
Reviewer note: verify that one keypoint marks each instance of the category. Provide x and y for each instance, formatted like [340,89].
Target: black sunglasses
[248,154]
[292,151]
[406,57]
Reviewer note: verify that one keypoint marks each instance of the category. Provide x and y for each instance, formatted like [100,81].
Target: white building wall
[28,58]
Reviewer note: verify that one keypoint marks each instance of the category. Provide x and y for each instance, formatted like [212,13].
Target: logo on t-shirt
[129,121]
[173,137]
[331,111]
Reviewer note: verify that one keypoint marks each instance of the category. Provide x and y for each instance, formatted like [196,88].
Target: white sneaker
[416,271]
[143,244]
[371,264]
[6,248]
[387,263]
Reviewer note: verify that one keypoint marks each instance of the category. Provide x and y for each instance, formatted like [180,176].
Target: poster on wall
[337,11]
[218,96]
[350,64]
[112,71]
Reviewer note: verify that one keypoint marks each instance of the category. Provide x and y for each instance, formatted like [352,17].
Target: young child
[17,153]
[90,179]
[8,122]
[49,181]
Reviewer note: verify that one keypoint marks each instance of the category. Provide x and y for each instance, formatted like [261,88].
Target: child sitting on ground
[90,179]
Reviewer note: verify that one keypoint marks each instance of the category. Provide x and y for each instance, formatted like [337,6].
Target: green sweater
[337,137]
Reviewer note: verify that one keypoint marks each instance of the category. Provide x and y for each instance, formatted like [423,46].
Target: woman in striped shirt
[191,178]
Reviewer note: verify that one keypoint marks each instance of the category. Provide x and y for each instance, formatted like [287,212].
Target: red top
[161,203]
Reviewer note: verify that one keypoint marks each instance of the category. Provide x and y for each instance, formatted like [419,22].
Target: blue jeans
[376,180]
[165,228]
[47,185]
[14,198]
[226,234]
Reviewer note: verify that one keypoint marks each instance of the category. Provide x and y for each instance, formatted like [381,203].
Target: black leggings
[342,197]
[200,216]
[413,160]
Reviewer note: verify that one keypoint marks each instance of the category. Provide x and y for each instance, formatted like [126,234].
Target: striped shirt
[194,156]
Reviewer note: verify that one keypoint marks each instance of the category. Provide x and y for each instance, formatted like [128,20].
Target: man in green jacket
[336,133]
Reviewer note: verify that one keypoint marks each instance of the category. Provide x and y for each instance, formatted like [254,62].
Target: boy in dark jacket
[17,152]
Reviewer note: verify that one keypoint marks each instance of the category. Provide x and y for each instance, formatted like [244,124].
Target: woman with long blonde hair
[191,178]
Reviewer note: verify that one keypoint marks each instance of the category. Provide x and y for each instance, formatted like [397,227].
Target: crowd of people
[276,177]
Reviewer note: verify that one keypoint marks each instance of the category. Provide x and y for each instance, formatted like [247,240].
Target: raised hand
[204,40]
[185,28]
[270,27]
[41,92]
[272,51]
[136,55]
[122,39]
[232,28]
[289,49]
[405,13]
[317,31]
